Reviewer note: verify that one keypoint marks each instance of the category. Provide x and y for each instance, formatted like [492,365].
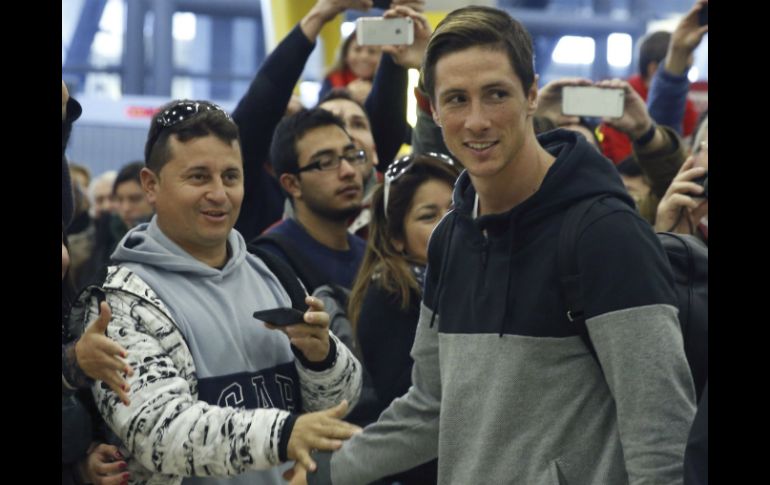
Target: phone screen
[592,101]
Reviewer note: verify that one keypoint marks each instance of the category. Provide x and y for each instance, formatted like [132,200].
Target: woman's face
[362,59]
[429,204]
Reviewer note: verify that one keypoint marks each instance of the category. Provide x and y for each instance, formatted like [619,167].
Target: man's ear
[434,113]
[532,97]
[150,182]
[290,183]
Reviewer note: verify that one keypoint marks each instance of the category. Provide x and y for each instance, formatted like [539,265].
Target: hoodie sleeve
[165,427]
[325,388]
[631,316]
[406,434]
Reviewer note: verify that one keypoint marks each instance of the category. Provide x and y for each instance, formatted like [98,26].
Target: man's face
[357,125]
[198,193]
[102,198]
[131,203]
[330,194]
[482,109]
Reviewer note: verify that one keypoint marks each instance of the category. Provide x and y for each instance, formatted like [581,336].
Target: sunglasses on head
[402,165]
[182,111]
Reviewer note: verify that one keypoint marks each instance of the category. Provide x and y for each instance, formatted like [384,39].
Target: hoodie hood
[147,245]
[579,172]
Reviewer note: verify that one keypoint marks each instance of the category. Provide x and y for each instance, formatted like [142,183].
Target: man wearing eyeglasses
[318,165]
[215,392]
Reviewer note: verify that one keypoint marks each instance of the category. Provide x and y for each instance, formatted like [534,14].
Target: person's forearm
[667,99]
[386,107]
[676,61]
[326,388]
[660,159]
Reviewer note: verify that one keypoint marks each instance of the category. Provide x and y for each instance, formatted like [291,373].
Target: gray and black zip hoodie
[504,389]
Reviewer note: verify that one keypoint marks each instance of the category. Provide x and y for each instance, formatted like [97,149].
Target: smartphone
[592,101]
[383,4]
[703,15]
[280,316]
[380,31]
[703,181]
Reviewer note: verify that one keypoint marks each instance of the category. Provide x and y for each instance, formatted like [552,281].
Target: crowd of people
[435,339]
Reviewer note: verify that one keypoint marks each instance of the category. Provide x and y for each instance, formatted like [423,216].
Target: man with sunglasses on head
[217,396]
[506,387]
[318,165]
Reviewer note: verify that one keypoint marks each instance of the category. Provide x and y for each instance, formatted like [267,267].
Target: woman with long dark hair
[385,301]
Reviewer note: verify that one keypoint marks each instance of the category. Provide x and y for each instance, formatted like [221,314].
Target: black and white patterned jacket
[167,433]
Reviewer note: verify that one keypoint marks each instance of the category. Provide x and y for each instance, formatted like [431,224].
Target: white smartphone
[380,31]
[592,101]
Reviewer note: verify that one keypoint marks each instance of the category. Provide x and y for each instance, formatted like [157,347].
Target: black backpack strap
[569,273]
[285,274]
[302,265]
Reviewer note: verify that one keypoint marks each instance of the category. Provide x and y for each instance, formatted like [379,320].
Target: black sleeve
[386,107]
[257,115]
[386,334]
[326,86]
[622,262]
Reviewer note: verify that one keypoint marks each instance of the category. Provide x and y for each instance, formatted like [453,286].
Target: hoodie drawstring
[444,262]
[509,276]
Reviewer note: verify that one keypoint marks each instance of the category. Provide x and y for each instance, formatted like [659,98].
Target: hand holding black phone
[280,316]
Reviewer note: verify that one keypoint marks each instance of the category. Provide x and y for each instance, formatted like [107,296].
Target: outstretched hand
[322,430]
[101,358]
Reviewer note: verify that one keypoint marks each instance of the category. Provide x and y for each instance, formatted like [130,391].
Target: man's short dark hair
[480,26]
[206,119]
[283,149]
[340,93]
[129,172]
[652,48]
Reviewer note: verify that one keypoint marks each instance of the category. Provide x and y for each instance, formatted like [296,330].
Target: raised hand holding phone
[309,332]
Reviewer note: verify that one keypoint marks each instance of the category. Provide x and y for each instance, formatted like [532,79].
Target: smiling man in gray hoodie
[215,392]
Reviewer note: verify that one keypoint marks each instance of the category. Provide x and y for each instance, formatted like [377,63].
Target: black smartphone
[703,181]
[281,316]
[703,15]
[383,4]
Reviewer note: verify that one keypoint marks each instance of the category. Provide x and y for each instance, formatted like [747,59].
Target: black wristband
[647,137]
[283,443]
[327,363]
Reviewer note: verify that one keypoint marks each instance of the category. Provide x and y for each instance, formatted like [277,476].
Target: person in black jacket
[385,302]
[91,356]
[264,104]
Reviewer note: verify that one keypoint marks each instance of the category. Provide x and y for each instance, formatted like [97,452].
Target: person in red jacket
[652,51]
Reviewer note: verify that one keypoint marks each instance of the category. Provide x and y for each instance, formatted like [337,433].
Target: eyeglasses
[404,164]
[182,111]
[329,161]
